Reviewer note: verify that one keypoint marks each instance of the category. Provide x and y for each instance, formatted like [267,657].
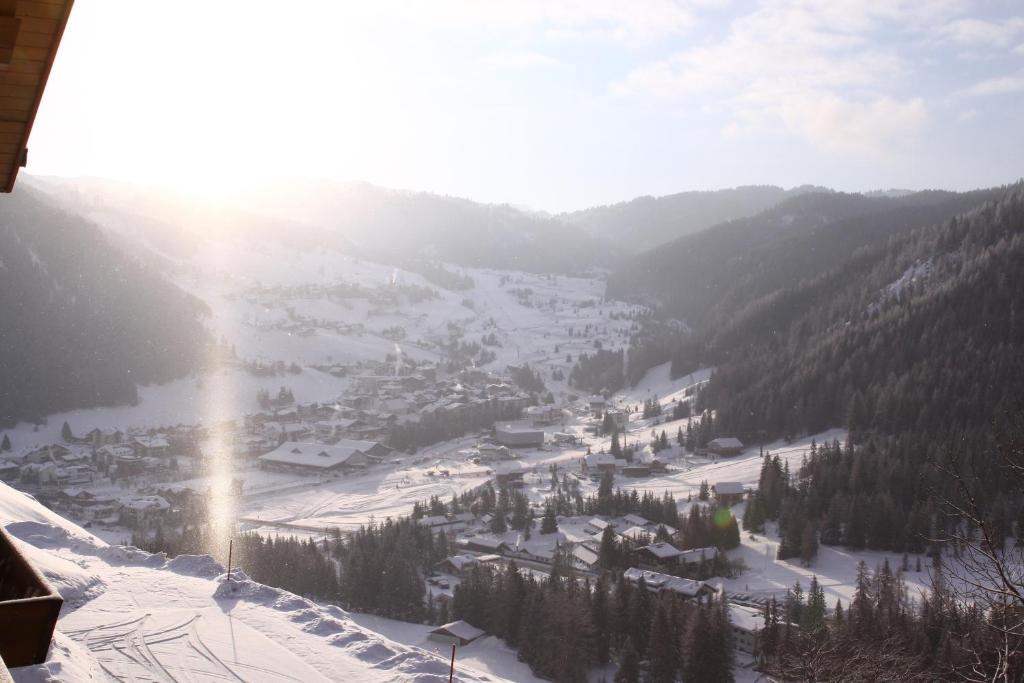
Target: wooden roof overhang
[30,33]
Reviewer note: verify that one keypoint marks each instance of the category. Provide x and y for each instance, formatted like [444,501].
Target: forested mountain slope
[892,315]
[647,221]
[706,278]
[81,323]
[921,334]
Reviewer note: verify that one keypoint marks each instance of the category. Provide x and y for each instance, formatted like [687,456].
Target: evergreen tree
[5,444]
[549,522]
[615,449]
[661,651]
[629,665]
[813,618]
[498,523]
[600,611]
[753,514]
[65,432]
[608,551]
[808,545]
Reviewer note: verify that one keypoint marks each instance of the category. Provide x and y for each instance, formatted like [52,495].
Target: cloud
[813,68]
[516,60]
[999,85]
[869,128]
[829,73]
[980,32]
[635,22]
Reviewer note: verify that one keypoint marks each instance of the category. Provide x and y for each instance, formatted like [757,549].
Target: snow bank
[196,565]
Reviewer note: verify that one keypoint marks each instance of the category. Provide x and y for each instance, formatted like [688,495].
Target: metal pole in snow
[451,671]
[231,547]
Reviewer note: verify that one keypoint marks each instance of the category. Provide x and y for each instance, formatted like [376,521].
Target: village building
[619,419]
[38,455]
[637,536]
[518,436]
[372,449]
[141,509]
[698,555]
[509,474]
[635,520]
[456,633]
[314,458]
[746,624]
[102,437]
[725,446]
[636,470]
[490,452]
[584,556]
[460,565]
[337,428]
[657,582]
[541,416]
[596,464]
[728,492]
[565,439]
[89,507]
[660,553]
[151,446]
[483,544]
[596,526]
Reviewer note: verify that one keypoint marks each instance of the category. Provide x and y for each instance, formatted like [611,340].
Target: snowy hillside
[130,615]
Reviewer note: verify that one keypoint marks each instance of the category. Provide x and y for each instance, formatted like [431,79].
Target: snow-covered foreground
[129,615]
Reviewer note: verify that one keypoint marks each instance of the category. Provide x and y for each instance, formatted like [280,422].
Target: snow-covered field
[347,502]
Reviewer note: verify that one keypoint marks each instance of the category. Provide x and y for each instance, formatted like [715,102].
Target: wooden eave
[37,27]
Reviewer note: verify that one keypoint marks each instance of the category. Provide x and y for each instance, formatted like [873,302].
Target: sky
[547,104]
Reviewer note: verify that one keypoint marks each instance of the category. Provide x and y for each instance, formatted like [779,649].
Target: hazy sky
[553,104]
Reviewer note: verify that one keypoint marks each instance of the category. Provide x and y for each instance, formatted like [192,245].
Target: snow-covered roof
[725,442]
[636,519]
[698,554]
[747,618]
[585,555]
[663,551]
[460,562]
[146,503]
[595,459]
[459,629]
[435,520]
[116,449]
[489,542]
[311,454]
[152,441]
[342,422]
[657,581]
[636,533]
[729,488]
[512,428]
[597,523]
